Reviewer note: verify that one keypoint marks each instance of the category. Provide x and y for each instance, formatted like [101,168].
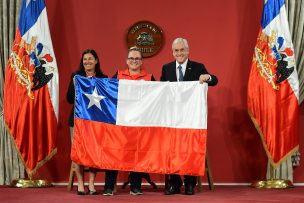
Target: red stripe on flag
[144,149]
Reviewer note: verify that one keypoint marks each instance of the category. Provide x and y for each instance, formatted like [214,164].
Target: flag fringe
[29,172]
[41,163]
[265,146]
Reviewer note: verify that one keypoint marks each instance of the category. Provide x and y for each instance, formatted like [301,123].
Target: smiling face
[180,52]
[89,62]
[134,61]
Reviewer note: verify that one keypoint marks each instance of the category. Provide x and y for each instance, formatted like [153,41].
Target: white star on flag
[95,99]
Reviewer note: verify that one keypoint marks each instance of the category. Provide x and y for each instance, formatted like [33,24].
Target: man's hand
[204,78]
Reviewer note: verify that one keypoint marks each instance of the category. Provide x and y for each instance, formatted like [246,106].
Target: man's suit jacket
[193,72]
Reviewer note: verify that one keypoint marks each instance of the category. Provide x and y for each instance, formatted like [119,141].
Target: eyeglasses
[134,59]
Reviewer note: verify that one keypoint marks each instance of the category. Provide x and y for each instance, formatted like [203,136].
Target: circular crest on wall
[147,36]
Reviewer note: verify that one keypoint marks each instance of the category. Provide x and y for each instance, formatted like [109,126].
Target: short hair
[135,48]
[180,40]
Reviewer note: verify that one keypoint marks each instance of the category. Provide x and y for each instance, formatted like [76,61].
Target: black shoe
[81,193]
[93,192]
[136,191]
[189,190]
[172,190]
[108,192]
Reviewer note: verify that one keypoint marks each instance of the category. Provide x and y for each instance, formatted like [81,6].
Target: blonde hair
[135,48]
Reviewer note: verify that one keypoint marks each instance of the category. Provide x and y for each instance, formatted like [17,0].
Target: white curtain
[295,13]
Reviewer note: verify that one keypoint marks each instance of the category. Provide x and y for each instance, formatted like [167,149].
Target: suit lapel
[173,72]
[188,70]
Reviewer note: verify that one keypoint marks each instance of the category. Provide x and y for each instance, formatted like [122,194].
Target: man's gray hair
[180,40]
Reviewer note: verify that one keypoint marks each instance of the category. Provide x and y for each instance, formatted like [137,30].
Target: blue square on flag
[96,99]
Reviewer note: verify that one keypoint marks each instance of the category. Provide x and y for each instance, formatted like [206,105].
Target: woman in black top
[89,67]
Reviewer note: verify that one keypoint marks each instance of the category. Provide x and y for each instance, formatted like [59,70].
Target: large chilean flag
[157,127]
[31,88]
[273,87]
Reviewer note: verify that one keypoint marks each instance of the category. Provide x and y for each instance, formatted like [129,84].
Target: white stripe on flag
[162,104]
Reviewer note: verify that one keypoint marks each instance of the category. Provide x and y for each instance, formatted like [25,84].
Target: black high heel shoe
[93,192]
[81,193]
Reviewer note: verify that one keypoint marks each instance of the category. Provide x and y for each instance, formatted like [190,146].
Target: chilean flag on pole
[31,88]
[273,87]
[156,127]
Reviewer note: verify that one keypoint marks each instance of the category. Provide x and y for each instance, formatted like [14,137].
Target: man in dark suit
[182,69]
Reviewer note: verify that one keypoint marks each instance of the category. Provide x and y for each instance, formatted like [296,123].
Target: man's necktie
[181,77]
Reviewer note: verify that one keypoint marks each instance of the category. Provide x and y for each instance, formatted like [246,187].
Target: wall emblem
[147,36]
